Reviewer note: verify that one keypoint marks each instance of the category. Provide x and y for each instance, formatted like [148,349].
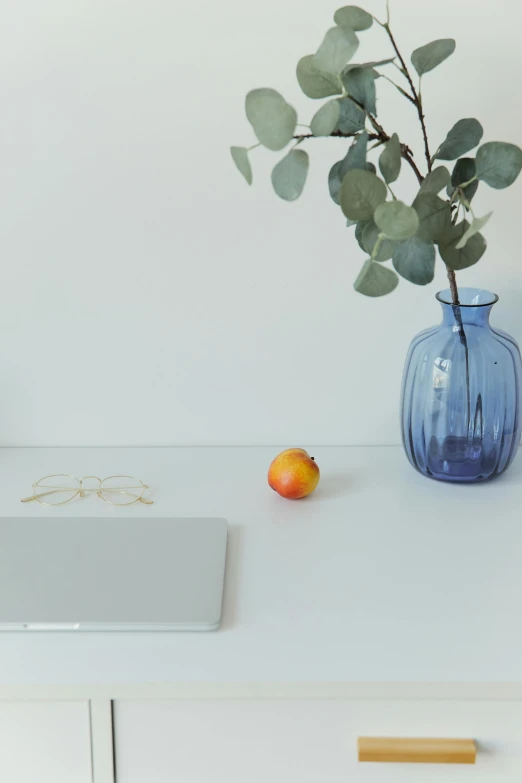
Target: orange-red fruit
[293,474]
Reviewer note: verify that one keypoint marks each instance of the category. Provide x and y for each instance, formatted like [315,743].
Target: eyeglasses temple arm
[45,494]
[145,501]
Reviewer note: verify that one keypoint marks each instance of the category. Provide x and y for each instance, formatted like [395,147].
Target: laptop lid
[111,574]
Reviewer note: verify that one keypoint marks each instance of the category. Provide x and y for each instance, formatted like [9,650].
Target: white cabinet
[307,741]
[45,742]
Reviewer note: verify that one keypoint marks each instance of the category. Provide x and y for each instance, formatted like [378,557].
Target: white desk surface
[380,576]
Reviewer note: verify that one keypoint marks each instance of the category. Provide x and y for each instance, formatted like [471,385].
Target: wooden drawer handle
[417,750]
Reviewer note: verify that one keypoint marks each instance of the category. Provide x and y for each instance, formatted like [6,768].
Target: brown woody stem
[418,104]
[417,101]
[453,287]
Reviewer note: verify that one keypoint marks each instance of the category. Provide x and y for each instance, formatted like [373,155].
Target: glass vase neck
[474,308]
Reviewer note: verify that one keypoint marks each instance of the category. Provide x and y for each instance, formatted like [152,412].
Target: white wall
[150,296]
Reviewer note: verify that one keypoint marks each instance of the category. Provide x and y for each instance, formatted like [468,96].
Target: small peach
[293,474]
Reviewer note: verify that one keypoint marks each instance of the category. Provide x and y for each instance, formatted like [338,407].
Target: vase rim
[468,297]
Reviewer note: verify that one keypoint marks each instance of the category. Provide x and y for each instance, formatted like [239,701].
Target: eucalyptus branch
[338,135]
[354,184]
[381,136]
[453,282]
[407,154]
[454,290]
[418,104]
[384,137]
[417,100]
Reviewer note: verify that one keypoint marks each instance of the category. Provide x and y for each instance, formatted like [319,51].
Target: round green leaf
[390,160]
[498,164]
[414,260]
[427,57]
[361,194]
[464,170]
[396,220]
[463,137]
[355,159]
[353,17]
[434,216]
[325,120]
[436,180]
[338,47]
[458,259]
[356,155]
[351,118]
[375,280]
[315,83]
[360,85]
[370,235]
[289,175]
[240,158]
[359,231]
[334,182]
[271,117]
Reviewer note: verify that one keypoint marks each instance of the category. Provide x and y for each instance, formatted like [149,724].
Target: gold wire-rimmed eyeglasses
[60,488]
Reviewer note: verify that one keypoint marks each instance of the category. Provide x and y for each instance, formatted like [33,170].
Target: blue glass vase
[461,393]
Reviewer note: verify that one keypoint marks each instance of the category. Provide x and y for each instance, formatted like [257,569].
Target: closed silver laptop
[111,574]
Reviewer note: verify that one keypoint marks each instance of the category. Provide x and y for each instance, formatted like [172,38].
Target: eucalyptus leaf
[289,175]
[458,259]
[354,159]
[271,117]
[477,224]
[498,164]
[414,259]
[464,170]
[240,158]
[372,65]
[375,280]
[369,238]
[338,47]
[334,182]
[359,231]
[436,180]
[325,119]
[390,160]
[463,137]
[361,194]
[356,155]
[427,57]
[313,82]
[351,118]
[434,216]
[359,83]
[396,220]
[353,17]
[350,223]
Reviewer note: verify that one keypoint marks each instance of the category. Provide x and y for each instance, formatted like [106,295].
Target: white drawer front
[45,742]
[307,741]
